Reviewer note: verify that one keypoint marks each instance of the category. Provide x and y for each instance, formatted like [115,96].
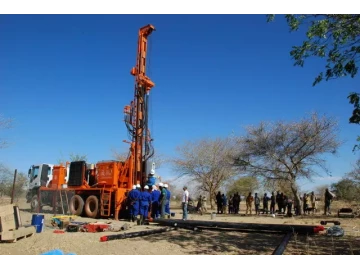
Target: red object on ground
[95,227]
[319,229]
[103,238]
[58,231]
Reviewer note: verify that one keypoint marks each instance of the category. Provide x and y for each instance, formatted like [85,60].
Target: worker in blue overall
[134,197]
[155,208]
[151,179]
[168,196]
[145,203]
[129,201]
[162,200]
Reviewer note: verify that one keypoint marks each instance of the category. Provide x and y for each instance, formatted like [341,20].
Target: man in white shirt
[185,201]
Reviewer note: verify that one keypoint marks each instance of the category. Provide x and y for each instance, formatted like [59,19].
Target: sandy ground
[186,242]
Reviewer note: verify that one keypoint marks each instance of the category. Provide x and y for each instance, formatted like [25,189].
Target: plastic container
[38,222]
[57,252]
[213,215]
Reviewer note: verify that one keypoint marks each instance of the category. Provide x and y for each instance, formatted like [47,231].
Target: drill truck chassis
[100,190]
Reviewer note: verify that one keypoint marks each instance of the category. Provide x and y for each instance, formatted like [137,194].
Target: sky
[65,80]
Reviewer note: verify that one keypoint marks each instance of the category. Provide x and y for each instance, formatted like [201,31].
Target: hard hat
[152,172]
[138,186]
[146,187]
[166,185]
[134,186]
[153,187]
[161,184]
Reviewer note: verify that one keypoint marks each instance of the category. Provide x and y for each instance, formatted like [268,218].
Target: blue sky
[65,80]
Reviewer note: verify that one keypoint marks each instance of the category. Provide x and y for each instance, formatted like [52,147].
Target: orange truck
[100,190]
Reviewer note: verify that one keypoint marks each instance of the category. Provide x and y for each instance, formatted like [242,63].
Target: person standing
[249,201]
[236,202]
[257,204]
[328,198]
[272,203]
[145,203]
[185,201]
[224,204]
[313,202]
[134,197]
[162,200]
[278,201]
[168,197]
[155,195]
[265,204]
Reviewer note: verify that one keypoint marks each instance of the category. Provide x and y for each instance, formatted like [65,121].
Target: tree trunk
[296,196]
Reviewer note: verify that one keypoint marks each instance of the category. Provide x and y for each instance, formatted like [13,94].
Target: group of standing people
[285,204]
[223,206]
[155,200]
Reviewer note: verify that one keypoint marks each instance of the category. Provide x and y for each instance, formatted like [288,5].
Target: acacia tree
[244,185]
[287,151]
[207,163]
[336,38]
[5,123]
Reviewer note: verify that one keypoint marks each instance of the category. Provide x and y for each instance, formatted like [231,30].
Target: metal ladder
[105,203]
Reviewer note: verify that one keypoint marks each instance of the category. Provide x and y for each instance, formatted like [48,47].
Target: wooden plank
[15,234]
[7,219]
[17,217]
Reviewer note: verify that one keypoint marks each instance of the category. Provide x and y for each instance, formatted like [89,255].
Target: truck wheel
[92,206]
[34,204]
[76,205]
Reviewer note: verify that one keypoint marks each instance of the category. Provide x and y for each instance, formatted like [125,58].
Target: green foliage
[347,190]
[244,185]
[335,37]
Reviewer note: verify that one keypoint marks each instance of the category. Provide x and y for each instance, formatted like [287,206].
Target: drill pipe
[282,246]
[301,229]
[133,234]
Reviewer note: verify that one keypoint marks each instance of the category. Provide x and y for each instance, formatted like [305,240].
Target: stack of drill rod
[246,227]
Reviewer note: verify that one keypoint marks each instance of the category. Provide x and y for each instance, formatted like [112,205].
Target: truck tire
[76,205]
[34,204]
[92,206]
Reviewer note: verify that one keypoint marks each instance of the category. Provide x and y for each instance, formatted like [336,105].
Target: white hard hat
[161,184]
[166,185]
[152,172]
[138,185]
[134,186]
[146,187]
[153,187]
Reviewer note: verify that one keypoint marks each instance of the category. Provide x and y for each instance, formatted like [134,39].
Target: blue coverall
[145,201]
[134,196]
[167,206]
[155,211]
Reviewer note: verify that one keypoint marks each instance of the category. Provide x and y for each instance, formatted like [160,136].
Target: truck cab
[39,176]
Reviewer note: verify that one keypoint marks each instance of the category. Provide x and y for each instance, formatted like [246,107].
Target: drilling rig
[100,190]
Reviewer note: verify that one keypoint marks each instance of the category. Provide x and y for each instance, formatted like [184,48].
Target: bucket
[213,215]
[38,222]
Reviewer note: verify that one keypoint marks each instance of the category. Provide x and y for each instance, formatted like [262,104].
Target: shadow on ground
[215,242]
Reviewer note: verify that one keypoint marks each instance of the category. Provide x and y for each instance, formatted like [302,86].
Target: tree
[244,185]
[207,163]
[335,37]
[354,174]
[73,157]
[346,190]
[320,190]
[6,182]
[5,123]
[287,151]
